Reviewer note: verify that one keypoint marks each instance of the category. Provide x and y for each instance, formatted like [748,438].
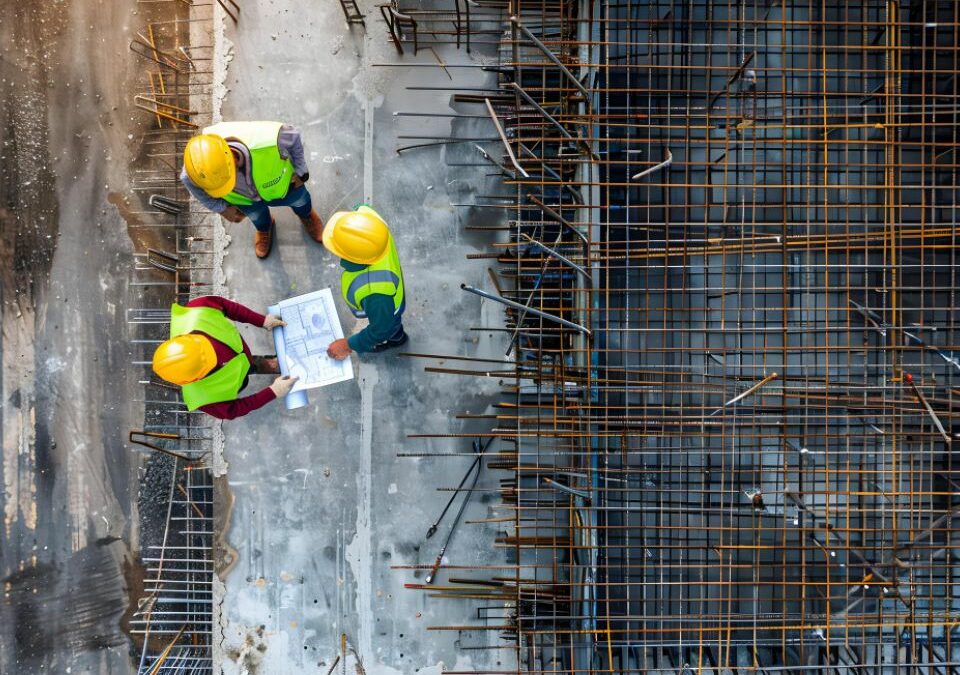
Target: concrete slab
[324,505]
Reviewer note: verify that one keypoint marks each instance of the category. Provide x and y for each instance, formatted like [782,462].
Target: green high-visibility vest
[384,277]
[225,383]
[271,172]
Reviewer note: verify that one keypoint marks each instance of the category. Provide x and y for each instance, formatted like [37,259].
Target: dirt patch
[65,135]
[250,655]
[74,606]
[225,556]
[134,574]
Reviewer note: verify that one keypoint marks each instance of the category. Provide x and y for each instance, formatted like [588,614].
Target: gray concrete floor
[324,505]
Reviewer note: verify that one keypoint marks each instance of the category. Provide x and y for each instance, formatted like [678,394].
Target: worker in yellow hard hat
[211,362]
[371,281]
[241,169]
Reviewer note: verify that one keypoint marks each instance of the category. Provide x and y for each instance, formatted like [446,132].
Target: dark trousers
[259,212]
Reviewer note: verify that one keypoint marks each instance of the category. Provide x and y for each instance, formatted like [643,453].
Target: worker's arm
[210,203]
[379,310]
[232,310]
[290,144]
[229,410]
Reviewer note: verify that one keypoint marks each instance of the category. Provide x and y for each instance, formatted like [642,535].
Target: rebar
[172,263]
[742,462]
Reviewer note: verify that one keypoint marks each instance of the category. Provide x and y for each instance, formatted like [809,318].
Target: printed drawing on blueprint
[312,324]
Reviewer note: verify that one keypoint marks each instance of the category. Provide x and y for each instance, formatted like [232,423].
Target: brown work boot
[314,226]
[263,241]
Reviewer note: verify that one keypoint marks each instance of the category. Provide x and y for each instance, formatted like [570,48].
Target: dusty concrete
[68,481]
[324,506]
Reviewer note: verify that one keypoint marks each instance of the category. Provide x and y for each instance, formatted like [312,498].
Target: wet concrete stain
[29,231]
[64,547]
[74,606]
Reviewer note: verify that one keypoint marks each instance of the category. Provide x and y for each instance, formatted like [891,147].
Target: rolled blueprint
[295,399]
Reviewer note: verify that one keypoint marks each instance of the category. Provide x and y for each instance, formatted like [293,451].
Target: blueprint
[312,324]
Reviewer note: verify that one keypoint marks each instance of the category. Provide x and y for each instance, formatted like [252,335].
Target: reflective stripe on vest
[271,173]
[384,277]
[224,383]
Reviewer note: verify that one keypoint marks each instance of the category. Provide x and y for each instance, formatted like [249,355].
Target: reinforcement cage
[732,258]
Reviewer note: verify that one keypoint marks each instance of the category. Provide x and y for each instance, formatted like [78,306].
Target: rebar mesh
[172,627]
[736,453]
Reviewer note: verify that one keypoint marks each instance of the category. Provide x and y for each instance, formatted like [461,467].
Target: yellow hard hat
[359,236]
[209,163]
[184,359]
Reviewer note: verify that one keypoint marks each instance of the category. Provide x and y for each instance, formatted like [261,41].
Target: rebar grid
[727,419]
[173,262]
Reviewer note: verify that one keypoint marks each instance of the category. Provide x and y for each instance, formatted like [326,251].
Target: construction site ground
[325,505]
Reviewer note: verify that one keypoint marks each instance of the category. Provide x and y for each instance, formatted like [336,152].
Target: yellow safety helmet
[359,236]
[210,165]
[184,359]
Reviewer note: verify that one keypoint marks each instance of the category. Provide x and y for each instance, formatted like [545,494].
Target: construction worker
[241,169]
[371,281]
[209,359]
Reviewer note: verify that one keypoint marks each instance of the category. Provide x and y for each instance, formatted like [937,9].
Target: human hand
[272,321]
[283,384]
[233,214]
[296,182]
[339,349]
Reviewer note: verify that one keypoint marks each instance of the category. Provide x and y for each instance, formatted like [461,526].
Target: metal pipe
[517,305]
[503,139]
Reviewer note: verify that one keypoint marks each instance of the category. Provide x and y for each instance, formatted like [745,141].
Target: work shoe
[263,241]
[314,226]
[395,341]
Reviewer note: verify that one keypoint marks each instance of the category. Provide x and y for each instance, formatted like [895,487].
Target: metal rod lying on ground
[433,528]
[478,463]
[517,305]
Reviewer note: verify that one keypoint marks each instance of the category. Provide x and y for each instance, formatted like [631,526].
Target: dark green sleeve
[379,309]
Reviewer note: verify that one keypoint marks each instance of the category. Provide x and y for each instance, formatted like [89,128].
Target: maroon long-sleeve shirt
[228,410]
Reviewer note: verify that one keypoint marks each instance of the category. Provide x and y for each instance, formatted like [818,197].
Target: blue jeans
[259,212]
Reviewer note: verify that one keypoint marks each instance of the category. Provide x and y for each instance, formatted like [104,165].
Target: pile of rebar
[729,277]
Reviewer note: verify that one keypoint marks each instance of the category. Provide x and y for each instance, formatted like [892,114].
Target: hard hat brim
[328,241]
